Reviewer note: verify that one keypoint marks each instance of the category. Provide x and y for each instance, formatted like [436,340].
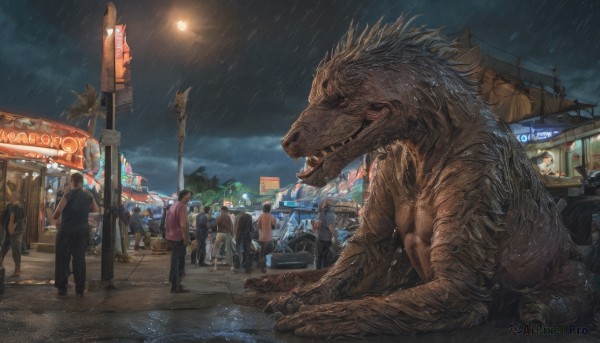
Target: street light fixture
[181,25]
[225,192]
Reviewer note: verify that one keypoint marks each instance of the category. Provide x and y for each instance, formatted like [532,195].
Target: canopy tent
[516,93]
[135,196]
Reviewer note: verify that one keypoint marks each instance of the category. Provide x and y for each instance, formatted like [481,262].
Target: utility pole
[108,92]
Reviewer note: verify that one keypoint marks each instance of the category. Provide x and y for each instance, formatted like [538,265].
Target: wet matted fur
[457,220]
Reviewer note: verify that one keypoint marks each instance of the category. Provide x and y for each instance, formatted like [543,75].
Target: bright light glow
[109,32]
[245,196]
[181,25]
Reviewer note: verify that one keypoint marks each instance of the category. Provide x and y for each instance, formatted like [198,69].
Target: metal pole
[108,226]
[108,91]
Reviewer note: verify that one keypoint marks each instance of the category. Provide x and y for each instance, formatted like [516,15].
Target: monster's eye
[336,100]
[376,106]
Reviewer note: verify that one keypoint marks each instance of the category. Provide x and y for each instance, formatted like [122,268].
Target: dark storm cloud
[250,65]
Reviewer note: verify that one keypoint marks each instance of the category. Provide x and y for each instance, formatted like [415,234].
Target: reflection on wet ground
[223,323]
[141,309]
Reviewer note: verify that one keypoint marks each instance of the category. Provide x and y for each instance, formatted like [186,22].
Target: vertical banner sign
[119,67]
[108,50]
[124,96]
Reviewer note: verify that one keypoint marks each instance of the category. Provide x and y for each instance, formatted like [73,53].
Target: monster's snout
[291,143]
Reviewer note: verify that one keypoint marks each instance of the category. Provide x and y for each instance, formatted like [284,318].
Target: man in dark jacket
[243,237]
[202,227]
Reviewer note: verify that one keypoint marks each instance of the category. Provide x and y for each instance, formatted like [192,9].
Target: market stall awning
[135,195]
[515,92]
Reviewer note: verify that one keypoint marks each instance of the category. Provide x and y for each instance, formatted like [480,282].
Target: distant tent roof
[516,93]
[134,195]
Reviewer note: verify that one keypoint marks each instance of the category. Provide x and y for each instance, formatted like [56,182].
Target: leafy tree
[86,105]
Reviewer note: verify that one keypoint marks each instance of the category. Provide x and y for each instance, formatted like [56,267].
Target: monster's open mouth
[316,161]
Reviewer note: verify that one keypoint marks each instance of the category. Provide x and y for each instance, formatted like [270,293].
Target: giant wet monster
[457,223]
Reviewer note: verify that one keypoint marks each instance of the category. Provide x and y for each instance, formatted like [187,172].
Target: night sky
[250,65]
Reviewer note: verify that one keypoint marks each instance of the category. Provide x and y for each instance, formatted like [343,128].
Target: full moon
[181,25]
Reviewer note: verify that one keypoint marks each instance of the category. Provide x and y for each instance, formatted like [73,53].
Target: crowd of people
[232,233]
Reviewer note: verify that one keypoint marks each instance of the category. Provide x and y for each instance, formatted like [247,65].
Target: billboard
[268,184]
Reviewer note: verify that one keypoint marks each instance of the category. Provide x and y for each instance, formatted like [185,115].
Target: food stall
[37,156]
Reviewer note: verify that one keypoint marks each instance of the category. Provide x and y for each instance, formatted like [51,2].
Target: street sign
[110,137]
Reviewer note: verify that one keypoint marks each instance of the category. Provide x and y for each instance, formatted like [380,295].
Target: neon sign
[68,144]
[25,137]
[537,136]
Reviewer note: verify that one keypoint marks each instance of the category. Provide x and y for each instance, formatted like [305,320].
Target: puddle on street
[223,323]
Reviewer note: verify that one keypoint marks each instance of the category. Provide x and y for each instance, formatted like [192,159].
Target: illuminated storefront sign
[33,138]
[268,184]
[537,136]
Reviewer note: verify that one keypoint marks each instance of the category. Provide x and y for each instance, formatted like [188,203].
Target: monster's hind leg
[567,299]
[364,267]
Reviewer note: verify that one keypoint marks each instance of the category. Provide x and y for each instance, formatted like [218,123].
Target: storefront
[36,158]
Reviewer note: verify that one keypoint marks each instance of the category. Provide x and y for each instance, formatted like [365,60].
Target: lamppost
[225,192]
[245,199]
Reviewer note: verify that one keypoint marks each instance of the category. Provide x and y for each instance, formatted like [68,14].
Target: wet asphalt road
[141,309]
[221,323]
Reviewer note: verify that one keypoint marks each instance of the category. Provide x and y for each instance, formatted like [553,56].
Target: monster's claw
[336,319]
[286,303]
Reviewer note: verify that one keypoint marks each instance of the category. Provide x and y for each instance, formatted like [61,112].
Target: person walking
[243,237]
[14,226]
[266,224]
[202,227]
[178,237]
[136,225]
[325,228]
[224,231]
[71,240]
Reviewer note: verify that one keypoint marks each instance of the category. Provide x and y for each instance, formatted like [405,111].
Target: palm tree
[87,105]
[179,106]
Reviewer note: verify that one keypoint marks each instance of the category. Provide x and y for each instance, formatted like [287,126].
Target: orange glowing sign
[25,137]
[268,184]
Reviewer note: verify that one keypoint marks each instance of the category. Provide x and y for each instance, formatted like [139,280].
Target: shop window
[593,153]
[574,159]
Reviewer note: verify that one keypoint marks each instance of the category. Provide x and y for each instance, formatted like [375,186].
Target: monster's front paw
[328,320]
[286,303]
[292,301]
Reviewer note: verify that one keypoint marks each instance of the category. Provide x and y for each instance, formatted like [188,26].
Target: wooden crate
[159,245]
